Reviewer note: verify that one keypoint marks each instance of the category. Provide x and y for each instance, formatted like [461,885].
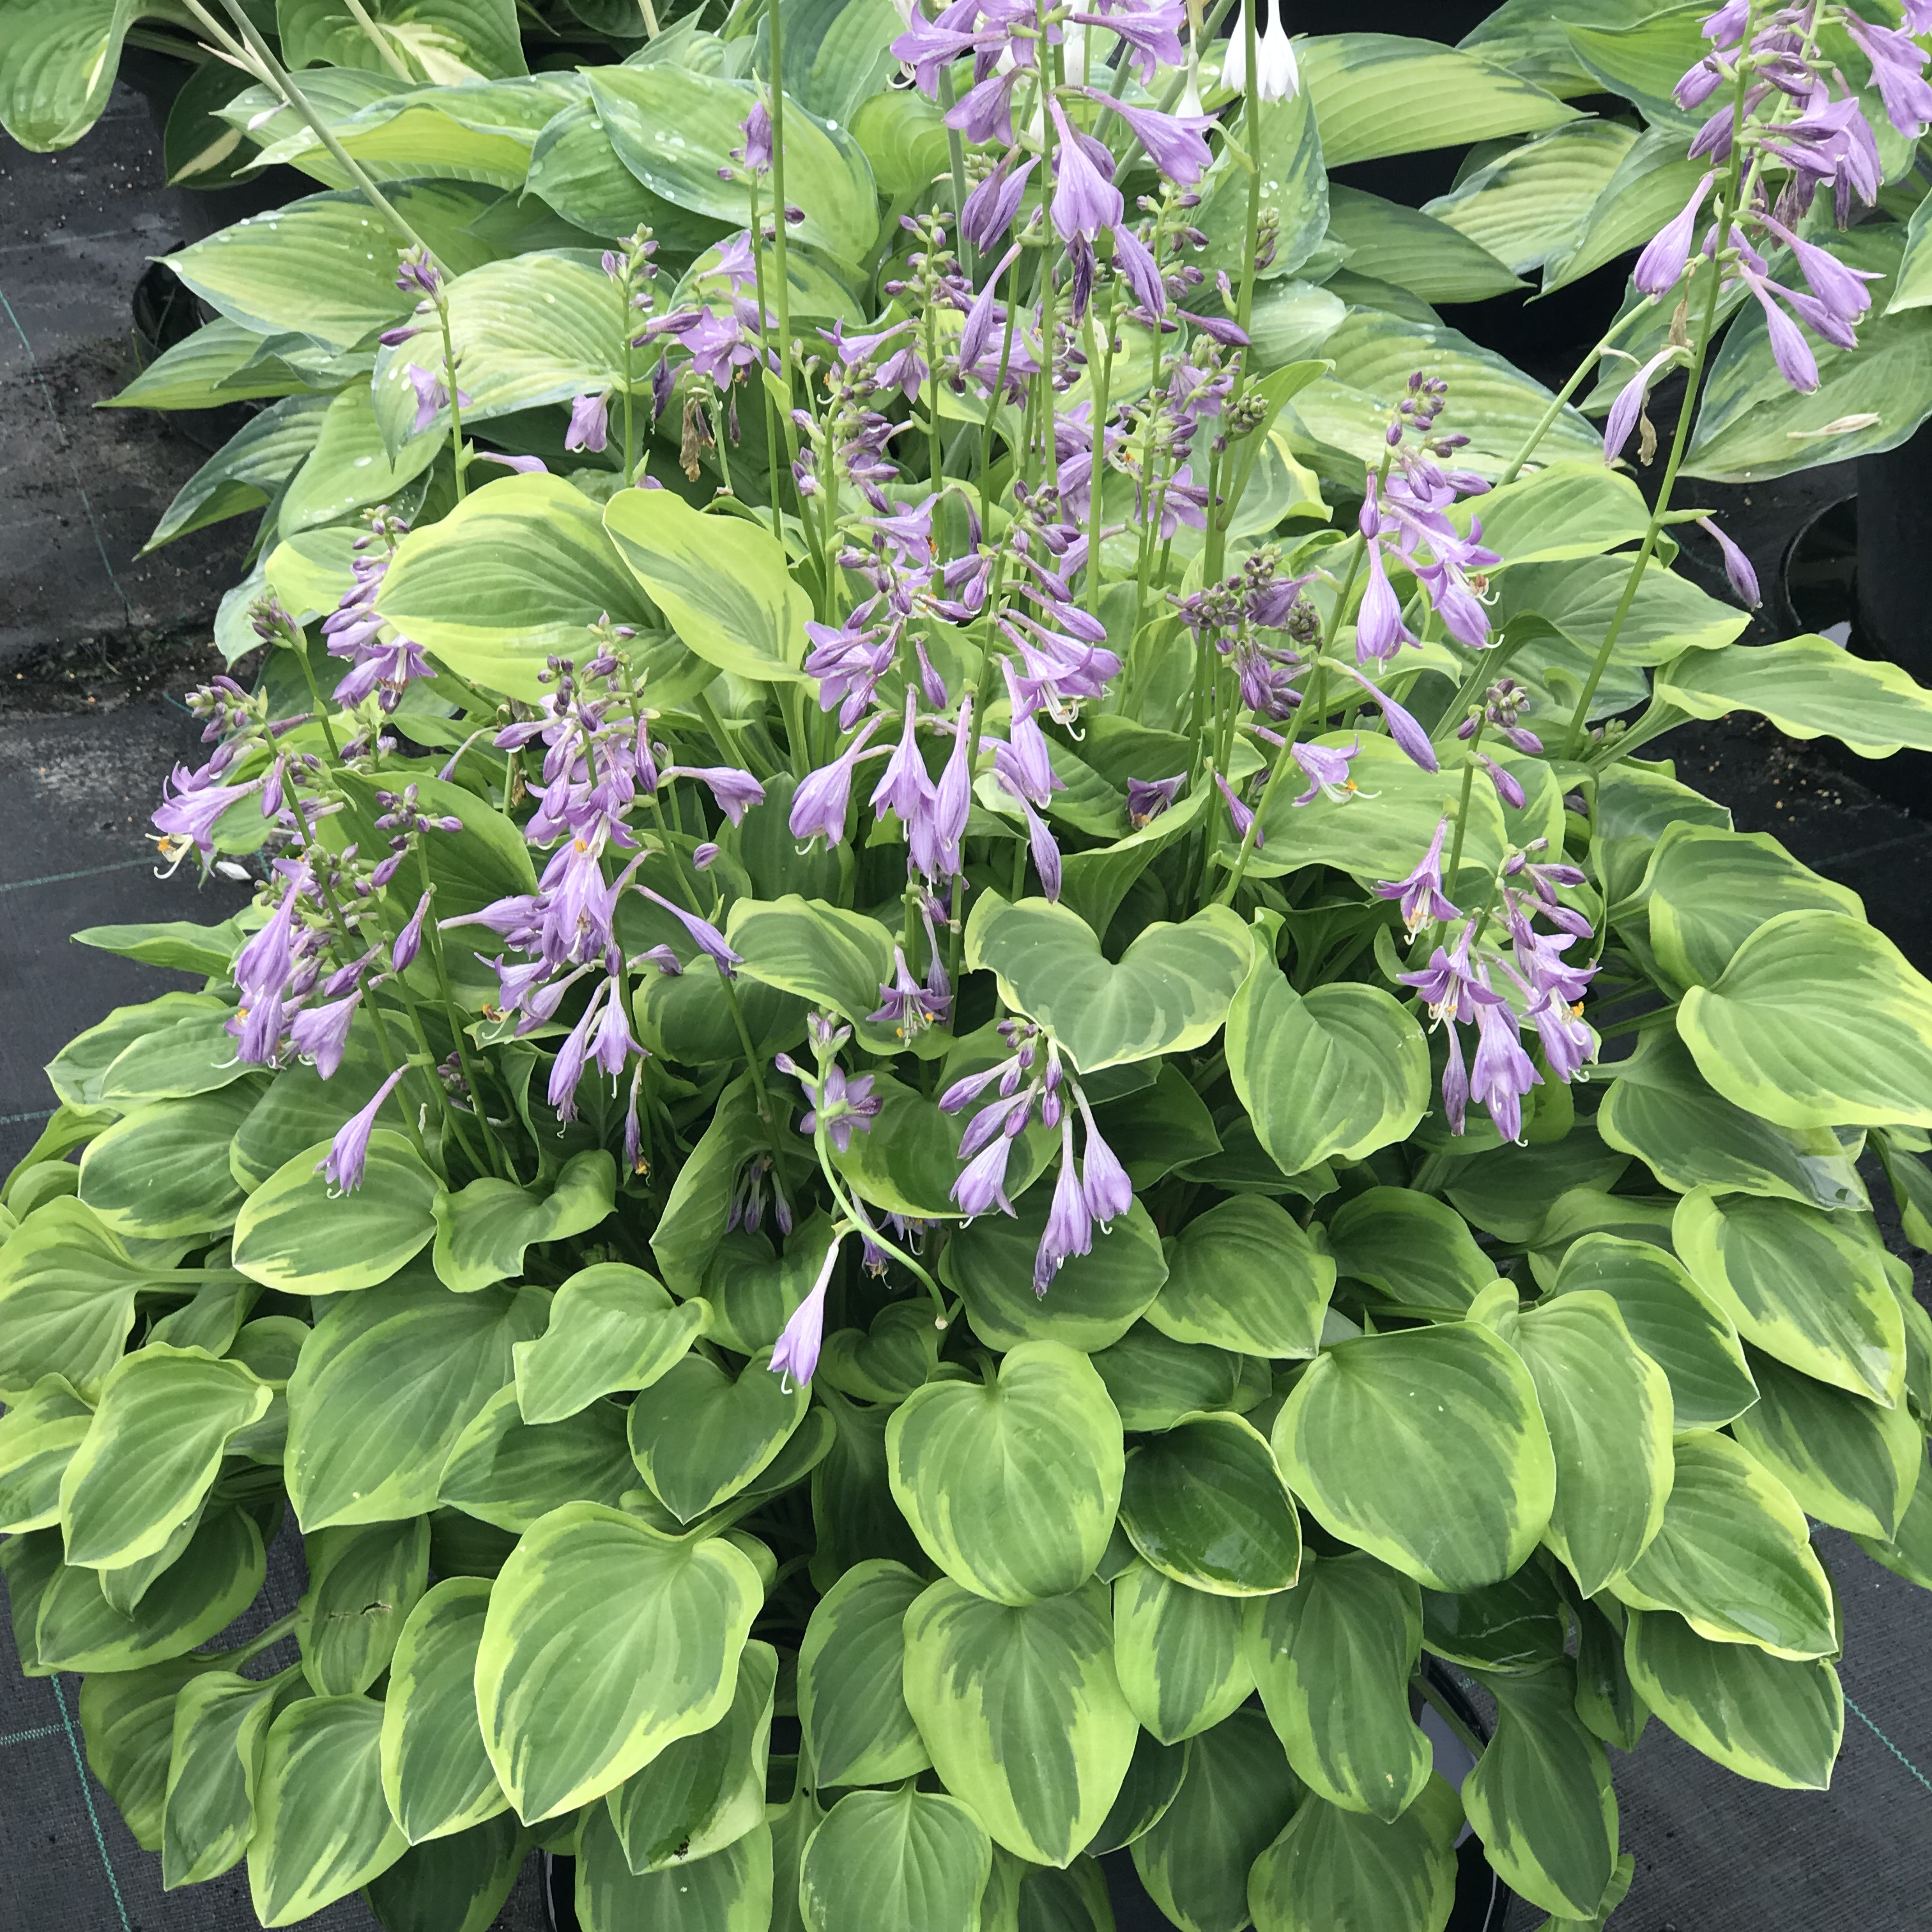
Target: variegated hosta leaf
[884,1860]
[1205,1504]
[1178,1653]
[851,1697]
[1332,1867]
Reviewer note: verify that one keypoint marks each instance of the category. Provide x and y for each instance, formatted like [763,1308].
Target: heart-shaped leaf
[1414,1249]
[1169,991]
[1178,1653]
[219,1733]
[1205,1504]
[729,1892]
[1330,1867]
[700,1435]
[507,1472]
[611,1327]
[851,1699]
[483,1231]
[1011,1486]
[363,1580]
[164,1169]
[1155,1381]
[1243,1276]
[886,1859]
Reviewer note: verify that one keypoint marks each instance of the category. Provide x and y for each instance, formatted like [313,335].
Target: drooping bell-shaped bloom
[1084,201]
[1502,1073]
[796,1353]
[710,940]
[1661,265]
[348,1152]
[1069,1221]
[1276,76]
[1422,899]
[590,422]
[819,804]
[1737,566]
[1109,1193]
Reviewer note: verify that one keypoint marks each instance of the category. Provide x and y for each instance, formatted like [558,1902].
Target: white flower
[1276,76]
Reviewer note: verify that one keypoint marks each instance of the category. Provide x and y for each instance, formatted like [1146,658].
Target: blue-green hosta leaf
[1332,1868]
[1011,1486]
[1733,1556]
[206,1587]
[1661,1109]
[724,584]
[58,59]
[363,1582]
[219,1733]
[504,1471]
[885,1859]
[605,1641]
[436,1775]
[700,1434]
[444,41]
[1847,1463]
[127,1719]
[1178,1653]
[153,1451]
[1205,1504]
[1539,1795]
[729,1892]
[1651,183]
[1379,94]
[851,1699]
[1155,1381]
[1672,1320]
[482,1230]
[1153,1779]
[1244,1276]
[702,1793]
[323,1828]
[1169,992]
[1414,251]
[387,1381]
[611,1327]
[38,1436]
[1459,1487]
[1809,687]
[1332,1657]
[1608,1409]
[1806,1287]
[1766,1717]
[1533,200]
[1021,1711]
[297,1233]
[1412,1247]
[1236,1795]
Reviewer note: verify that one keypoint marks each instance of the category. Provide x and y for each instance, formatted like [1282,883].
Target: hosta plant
[971,1094]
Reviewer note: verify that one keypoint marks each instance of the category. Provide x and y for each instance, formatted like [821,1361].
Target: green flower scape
[973,1087]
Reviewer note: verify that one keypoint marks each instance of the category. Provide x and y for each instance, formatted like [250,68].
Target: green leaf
[512,576]
[386,1383]
[38,1436]
[729,1892]
[700,1434]
[1205,1504]
[674,129]
[1661,1109]
[194,1053]
[67,1285]
[1460,1487]
[1809,687]
[1093,1301]
[483,1230]
[699,1204]
[1020,1707]
[1378,93]
[1908,1552]
[349,466]
[1332,1657]
[506,1471]
[325,266]
[217,363]
[152,1452]
[702,1793]
[323,1827]
[1539,1795]
[1011,1486]
[1155,1381]
[831,957]
[1294,190]
[127,1717]
[1178,1653]
[1244,1276]
[1753,425]
[1817,1022]
[296,1233]
[611,1327]
[1770,1720]
[1153,1779]
[1169,992]
[1847,1463]
[218,1738]
[1412,1248]
[605,1641]
[851,1702]
[1733,1556]
[1333,1868]
[1337,1072]
[1671,1320]
[723,583]
[77,1073]
[446,41]
[1806,1287]
[1236,1794]
[456,1884]
[1642,61]
[1533,200]
[1415,250]
[436,1775]
[1651,183]
[177,942]
[163,1169]
[1508,1191]
[248,472]
[882,1860]
[363,1582]
[213,1580]
[1607,1407]
[1668,616]
[58,59]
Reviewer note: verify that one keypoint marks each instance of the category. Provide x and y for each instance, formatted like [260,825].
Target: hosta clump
[969,1078]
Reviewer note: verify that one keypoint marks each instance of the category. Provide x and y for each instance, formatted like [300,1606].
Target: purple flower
[321,1034]
[1241,816]
[1421,893]
[1029,765]
[1148,798]
[1898,73]
[981,1182]
[525,465]
[905,787]
[1737,565]
[408,941]
[1069,1221]
[189,817]
[819,806]
[796,1352]
[757,155]
[1502,1073]
[736,791]
[1175,142]
[1045,852]
[1084,200]
[906,1006]
[1402,726]
[566,1072]
[1661,265]
[431,395]
[1380,631]
[342,1166]
[1629,405]
[708,938]
[844,1107]
[590,422]
[952,802]
[1108,1191]
[1508,788]
[1789,350]
[1326,768]
[991,207]
[611,1044]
